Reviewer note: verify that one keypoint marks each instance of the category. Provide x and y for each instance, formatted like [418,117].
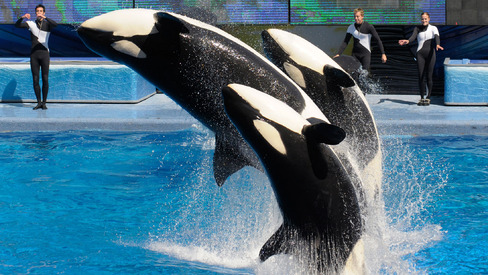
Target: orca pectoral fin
[275,245]
[229,159]
[336,76]
[324,133]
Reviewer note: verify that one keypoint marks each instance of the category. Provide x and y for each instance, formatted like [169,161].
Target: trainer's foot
[39,105]
[44,106]
[424,102]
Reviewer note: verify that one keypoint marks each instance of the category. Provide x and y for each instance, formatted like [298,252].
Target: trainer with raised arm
[40,29]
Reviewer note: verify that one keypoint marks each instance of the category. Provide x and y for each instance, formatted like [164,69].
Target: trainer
[40,29]
[428,43]
[362,32]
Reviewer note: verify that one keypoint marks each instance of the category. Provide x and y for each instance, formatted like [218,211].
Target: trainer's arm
[380,44]
[344,44]
[52,23]
[20,24]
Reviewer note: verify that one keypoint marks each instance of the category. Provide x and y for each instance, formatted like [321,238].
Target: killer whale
[191,61]
[315,193]
[336,94]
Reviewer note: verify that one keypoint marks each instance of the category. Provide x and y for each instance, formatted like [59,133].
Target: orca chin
[191,62]
[315,192]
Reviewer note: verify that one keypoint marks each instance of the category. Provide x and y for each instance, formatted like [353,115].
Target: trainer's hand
[403,42]
[26,16]
[383,58]
[439,48]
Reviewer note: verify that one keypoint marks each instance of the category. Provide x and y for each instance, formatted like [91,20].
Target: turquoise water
[448,187]
[124,203]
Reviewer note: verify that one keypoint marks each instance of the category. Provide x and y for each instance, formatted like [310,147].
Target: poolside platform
[394,114]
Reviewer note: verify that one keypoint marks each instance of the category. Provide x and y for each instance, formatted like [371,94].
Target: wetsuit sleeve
[414,35]
[20,24]
[437,37]
[52,23]
[344,43]
[373,32]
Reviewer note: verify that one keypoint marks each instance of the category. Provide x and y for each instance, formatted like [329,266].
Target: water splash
[397,226]
[218,226]
[226,227]
[368,83]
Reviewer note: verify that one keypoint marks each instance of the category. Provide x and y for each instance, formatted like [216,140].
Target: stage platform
[75,80]
[394,115]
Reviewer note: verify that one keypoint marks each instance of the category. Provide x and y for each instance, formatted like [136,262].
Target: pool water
[124,203]
[447,186]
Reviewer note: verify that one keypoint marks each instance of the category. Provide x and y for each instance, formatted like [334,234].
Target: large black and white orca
[317,198]
[336,94]
[191,62]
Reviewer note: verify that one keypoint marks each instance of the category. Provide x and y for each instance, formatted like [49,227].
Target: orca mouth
[106,44]
[95,39]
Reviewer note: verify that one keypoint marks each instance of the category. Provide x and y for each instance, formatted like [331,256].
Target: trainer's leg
[364,59]
[430,72]
[45,77]
[35,67]
[366,62]
[421,68]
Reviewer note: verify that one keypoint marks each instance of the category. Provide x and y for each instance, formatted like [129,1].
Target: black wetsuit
[39,58]
[428,39]
[362,42]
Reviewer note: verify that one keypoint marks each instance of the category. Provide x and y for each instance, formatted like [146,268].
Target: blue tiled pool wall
[397,76]
[75,82]
[465,82]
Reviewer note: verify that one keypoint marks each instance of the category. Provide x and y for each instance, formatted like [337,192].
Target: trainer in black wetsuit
[362,32]
[428,42]
[39,59]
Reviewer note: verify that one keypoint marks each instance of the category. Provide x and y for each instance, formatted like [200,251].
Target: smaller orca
[337,96]
[321,215]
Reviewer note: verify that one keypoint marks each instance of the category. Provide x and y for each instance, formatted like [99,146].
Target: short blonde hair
[360,11]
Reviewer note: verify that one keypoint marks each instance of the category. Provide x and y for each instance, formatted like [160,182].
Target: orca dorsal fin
[275,245]
[338,77]
[316,134]
[228,159]
[324,133]
[168,23]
